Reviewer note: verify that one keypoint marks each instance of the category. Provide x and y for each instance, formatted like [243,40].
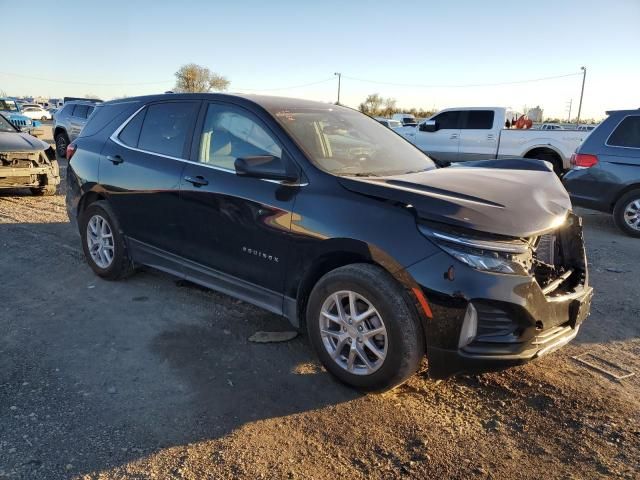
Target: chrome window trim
[114,138]
[615,128]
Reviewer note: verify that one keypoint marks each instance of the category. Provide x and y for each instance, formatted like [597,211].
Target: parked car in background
[10,110]
[585,128]
[551,126]
[36,113]
[605,170]
[387,122]
[460,134]
[26,162]
[406,119]
[68,122]
[319,213]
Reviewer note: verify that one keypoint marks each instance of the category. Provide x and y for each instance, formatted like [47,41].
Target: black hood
[20,142]
[517,198]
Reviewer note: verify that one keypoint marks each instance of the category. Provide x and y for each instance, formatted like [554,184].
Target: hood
[517,198]
[20,142]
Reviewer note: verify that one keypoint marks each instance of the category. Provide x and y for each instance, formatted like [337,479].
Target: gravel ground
[153,378]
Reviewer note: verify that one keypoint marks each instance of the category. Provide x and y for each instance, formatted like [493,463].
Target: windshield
[5,126]
[345,142]
[8,106]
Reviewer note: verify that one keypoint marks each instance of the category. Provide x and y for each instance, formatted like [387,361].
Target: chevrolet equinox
[319,213]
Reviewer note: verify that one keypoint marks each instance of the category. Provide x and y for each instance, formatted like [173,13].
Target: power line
[51,80]
[464,85]
[283,88]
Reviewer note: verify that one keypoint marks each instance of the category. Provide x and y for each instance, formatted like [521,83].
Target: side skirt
[269,300]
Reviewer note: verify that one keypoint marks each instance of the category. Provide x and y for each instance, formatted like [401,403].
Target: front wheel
[626,213]
[62,140]
[364,329]
[103,242]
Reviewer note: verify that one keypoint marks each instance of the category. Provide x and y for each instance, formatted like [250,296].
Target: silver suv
[68,122]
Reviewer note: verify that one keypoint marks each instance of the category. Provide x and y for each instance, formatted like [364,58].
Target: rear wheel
[363,328]
[62,140]
[43,118]
[626,213]
[103,242]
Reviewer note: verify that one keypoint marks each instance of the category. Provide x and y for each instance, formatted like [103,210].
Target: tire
[625,208]
[44,119]
[402,344]
[552,158]
[46,191]
[120,264]
[62,140]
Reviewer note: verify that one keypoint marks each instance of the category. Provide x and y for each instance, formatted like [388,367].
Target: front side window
[478,120]
[627,133]
[230,133]
[342,141]
[165,127]
[448,120]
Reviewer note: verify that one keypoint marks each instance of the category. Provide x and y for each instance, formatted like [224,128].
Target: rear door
[236,225]
[442,144]
[478,139]
[141,167]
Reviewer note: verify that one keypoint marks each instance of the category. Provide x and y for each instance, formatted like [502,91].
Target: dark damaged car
[319,213]
[26,162]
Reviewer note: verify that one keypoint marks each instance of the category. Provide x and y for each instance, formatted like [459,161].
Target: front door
[441,144]
[235,226]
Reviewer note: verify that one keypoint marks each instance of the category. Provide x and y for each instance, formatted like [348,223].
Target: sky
[425,54]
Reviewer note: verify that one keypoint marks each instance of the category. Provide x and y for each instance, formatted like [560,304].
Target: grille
[546,249]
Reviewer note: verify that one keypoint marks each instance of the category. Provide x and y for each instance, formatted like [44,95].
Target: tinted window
[627,134]
[165,128]
[130,134]
[67,109]
[478,120]
[448,120]
[229,133]
[80,111]
[89,111]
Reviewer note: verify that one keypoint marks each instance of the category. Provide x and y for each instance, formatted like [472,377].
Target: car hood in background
[517,198]
[20,142]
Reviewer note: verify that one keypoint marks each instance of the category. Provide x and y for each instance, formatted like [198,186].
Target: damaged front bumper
[28,169]
[487,321]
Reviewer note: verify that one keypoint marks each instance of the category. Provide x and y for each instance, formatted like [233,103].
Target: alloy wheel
[100,241]
[353,332]
[632,214]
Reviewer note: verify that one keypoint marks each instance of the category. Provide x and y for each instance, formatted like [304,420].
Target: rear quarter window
[108,115]
[627,133]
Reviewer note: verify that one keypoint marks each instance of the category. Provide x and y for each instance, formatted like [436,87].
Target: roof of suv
[631,110]
[266,101]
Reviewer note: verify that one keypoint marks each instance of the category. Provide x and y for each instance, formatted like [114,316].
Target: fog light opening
[469,326]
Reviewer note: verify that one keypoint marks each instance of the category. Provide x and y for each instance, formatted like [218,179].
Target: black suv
[319,213]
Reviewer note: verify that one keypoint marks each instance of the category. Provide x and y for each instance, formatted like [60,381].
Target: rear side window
[166,126]
[627,133]
[108,114]
[449,119]
[478,120]
[80,111]
[131,133]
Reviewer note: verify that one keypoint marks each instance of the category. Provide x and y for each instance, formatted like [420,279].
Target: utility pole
[570,102]
[339,78]
[584,76]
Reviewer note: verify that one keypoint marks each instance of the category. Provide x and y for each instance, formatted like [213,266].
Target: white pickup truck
[459,134]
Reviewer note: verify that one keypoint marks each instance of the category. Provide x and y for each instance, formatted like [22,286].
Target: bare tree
[372,104]
[194,78]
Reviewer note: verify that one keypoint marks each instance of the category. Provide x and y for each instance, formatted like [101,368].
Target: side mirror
[268,167]
[429,126]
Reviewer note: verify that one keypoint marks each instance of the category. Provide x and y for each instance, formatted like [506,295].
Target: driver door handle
[115,159]
[198,181]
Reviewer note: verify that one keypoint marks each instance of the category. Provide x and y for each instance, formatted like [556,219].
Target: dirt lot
[148,378]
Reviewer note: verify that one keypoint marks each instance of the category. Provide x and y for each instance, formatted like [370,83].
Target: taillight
[71,149]
[583,160]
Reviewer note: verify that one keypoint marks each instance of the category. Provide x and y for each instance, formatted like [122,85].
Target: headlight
[512,257]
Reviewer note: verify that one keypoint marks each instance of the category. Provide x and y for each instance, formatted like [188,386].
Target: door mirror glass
[268,167]
[429,126]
